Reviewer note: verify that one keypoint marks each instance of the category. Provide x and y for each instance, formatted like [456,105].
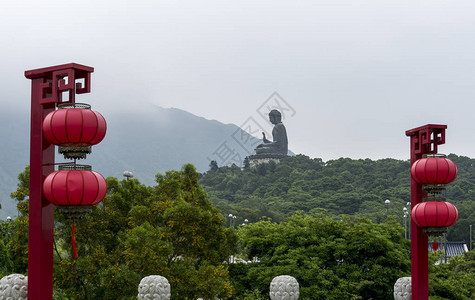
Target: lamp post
[470,237]
[408,204]
[423,140]
[387,206]
[128,175]
[405,221]
[47,88]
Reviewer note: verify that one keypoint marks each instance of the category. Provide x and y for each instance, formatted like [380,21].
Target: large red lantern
[434,170]
[74,127]
[434,216]
[74,187]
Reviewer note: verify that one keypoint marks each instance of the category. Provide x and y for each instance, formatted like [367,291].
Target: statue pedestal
[264,158]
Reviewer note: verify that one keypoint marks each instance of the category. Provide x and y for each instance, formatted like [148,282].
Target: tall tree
[453,281]
[331,259]
[171,229]
[14,233]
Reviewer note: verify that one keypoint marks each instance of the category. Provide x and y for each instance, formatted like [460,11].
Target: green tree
[455,280]
[14,233]
[331,259]
[171,229]
[6,256]
[195,230]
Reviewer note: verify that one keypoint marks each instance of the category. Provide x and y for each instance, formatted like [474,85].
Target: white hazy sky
[358,73]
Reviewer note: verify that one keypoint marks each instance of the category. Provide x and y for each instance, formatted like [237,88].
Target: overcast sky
[354,73]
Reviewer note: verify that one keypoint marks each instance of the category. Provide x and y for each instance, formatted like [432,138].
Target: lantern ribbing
[434,214]
[74,188]
[434,170]
[74,128]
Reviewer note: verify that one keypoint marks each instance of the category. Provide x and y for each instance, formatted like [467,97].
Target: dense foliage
[324,223]
[171,229]
[453,281]
[337,187]
[331,259]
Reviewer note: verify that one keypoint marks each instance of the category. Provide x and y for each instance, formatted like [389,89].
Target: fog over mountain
[145,140]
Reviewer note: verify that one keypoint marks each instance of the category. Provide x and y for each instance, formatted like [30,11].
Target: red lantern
[434,170]
[74,127]
[434,217]
[74,189]
[435,246]
[434,214]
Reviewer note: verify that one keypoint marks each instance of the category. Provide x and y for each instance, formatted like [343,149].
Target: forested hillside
[337,187]
[174,230]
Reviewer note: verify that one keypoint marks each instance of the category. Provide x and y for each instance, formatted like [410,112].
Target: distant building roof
[452,248]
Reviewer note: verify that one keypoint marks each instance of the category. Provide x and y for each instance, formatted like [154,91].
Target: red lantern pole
[47,87]
[424,140]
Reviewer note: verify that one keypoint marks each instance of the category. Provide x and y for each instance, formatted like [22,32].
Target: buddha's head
[275,116]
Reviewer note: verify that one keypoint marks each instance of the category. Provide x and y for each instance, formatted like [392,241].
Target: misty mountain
[144,140]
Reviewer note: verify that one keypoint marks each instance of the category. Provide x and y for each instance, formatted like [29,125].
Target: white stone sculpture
[14,287]
[403,289]
[154,287]
[284,287]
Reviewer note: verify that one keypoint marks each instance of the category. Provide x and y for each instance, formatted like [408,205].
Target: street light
[387,206]
[128,175]
[230,216]
[48,86]
[405,221]
[408,207]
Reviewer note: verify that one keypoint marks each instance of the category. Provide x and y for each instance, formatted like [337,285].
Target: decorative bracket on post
[425,139]
[71,78]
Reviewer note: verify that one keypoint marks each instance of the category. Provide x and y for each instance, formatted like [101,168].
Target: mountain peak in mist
[145,139]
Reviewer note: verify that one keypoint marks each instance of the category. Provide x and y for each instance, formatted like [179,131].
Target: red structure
[74,188]
[74,127]
[434,214]
[47,88]
[434,170]
[424,140]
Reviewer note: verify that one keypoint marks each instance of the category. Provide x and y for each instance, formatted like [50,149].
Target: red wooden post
[47,87]
[424,140]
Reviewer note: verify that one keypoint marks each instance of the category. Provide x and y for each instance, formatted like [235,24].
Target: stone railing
[155,287]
